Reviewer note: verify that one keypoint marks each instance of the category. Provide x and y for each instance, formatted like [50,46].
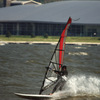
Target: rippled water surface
[22,68]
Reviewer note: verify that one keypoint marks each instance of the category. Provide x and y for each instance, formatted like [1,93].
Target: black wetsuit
[61,81]
[61,73]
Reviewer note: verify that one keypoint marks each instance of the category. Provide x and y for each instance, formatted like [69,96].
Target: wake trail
[81,85]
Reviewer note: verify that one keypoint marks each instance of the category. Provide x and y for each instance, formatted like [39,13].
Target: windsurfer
[62,77]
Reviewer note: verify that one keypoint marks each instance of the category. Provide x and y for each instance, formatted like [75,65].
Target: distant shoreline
[44,42]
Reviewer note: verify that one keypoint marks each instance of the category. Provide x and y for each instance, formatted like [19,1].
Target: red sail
[62,42]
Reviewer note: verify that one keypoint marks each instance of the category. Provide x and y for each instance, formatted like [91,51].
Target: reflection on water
[22,68]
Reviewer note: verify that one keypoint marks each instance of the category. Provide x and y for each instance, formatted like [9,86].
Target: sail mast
[59,50]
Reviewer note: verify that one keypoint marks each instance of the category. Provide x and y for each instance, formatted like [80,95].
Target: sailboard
[56,62]
[34,96]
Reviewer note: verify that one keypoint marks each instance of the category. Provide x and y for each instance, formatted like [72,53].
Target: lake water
[22,68]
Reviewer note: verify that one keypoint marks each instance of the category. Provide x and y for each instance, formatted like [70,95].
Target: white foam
[80,86]
[83,85]
[80,47]
[78,53]
[2,43]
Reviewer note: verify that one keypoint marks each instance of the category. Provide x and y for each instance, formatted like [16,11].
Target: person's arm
[57,72]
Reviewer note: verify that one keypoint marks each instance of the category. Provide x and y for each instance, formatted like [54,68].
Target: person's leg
[55,88]
[57,85]
[62,85]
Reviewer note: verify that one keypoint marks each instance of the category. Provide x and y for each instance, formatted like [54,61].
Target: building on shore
[51,18]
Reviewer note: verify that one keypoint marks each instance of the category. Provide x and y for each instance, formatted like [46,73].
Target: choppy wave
[78,53]
[80,48]
[22,69]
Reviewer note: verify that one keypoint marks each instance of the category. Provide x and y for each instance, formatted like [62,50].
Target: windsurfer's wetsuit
[62,77]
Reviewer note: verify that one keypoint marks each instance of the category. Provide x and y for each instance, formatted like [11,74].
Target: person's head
[64,67]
